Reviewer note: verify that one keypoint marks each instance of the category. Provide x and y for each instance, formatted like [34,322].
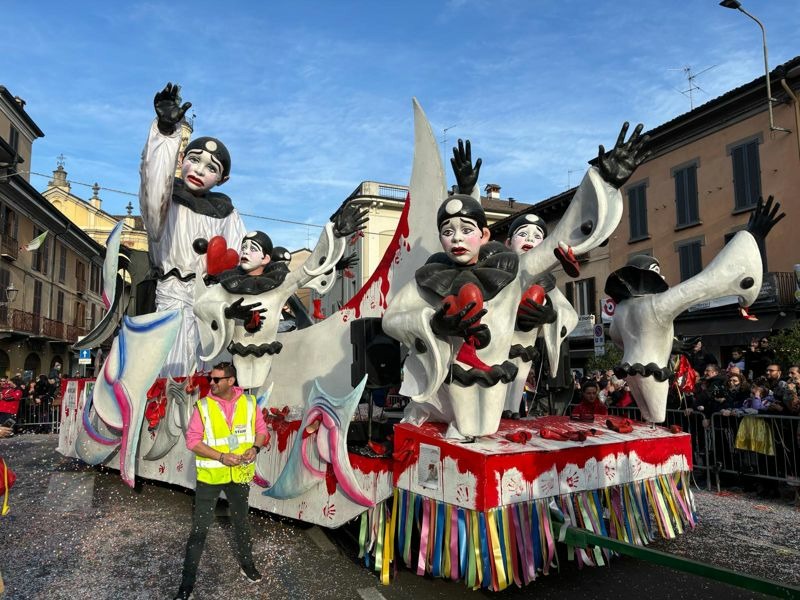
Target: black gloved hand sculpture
[169,109]
[457,324]
[241,311]
[466,174]
[531,314]
[347,261]
[346,221]
[617,166]
[763,218]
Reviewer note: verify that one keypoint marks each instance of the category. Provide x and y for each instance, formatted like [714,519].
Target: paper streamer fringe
[515,544]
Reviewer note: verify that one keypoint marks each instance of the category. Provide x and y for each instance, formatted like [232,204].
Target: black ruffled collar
[495,269]
[211,204]
[238,281]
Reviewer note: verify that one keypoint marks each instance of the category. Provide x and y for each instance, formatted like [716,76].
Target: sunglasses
[216,379]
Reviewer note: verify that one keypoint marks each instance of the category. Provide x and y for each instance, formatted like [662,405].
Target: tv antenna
[690,78]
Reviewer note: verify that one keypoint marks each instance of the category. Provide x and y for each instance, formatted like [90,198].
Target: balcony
[9,247]
[52,329]
[18,320]
[80,286]
[73,332]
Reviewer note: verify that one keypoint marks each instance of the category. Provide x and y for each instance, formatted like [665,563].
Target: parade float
[455,490]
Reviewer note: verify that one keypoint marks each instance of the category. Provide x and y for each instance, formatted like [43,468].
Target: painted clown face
[251,256]
[526,238]
[462,239]
[201,171]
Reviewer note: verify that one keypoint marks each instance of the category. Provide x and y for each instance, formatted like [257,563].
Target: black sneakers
[184,593]
[251,574]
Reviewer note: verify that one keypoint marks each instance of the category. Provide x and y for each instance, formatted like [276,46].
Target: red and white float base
[483,511]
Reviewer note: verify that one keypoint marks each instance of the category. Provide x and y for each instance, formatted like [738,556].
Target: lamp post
[10,295]
[736,5]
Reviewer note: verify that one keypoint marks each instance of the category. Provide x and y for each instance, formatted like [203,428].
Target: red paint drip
[382,271]
[282,428]
[370,464]
[330,480]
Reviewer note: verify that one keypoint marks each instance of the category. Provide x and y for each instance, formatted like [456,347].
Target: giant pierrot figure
[176,212]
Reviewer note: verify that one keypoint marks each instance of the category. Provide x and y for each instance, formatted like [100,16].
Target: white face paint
[251,256]
[462,240]
[526,237]
[200,171]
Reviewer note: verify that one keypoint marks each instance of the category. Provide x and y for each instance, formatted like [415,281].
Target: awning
[732,331]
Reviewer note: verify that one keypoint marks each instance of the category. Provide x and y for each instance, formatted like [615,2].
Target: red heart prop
[469,292]
[219,257]
[535,293]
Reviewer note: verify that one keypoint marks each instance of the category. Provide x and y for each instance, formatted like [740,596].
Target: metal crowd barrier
[44,417]
[757,446]
[689,421]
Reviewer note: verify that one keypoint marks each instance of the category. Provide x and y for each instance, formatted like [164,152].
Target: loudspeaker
[374,353]
[563,378]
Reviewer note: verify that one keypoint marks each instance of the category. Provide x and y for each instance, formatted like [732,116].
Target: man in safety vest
[226,433]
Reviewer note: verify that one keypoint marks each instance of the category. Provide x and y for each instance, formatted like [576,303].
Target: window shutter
[591,297]
[753,172]
[691,191]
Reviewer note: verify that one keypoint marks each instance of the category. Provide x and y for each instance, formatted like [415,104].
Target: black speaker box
[374,353]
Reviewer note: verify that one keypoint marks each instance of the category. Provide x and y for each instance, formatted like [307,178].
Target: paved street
[79,532]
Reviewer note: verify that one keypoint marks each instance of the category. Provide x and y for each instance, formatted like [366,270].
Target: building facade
[49,296]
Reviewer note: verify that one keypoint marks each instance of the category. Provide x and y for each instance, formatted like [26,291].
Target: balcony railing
[52,329]
[80,285]
[9,247]
[73,331]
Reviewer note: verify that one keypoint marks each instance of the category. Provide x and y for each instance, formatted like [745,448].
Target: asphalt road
[79,532]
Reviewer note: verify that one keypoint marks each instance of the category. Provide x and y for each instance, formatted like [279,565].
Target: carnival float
[455,490]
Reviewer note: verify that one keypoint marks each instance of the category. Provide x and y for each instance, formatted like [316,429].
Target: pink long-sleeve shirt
[194,434]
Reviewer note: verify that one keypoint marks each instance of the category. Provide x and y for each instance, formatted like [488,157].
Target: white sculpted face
[252,256]
[201,171]
[462,240]
[526,238]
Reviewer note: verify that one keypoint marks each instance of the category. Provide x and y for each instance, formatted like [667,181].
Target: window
[94,282]
[90,324]
[637,212]
[13,138]
[5,281]
[62,264]
[37,297]
[746,174]
[690,258]
[581,294]
[9,225]
[686,207]
[60,307]
[80,277]
[39,259]
[80,314]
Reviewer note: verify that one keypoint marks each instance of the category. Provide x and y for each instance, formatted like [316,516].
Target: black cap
[262,239]
[215,148]
[281,253]
[461,205]
[527,219]
[643,261]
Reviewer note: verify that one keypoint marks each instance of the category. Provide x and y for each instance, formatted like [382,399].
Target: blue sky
[314,97]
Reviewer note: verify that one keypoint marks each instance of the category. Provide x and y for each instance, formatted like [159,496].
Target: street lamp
[11,295]
[736,5]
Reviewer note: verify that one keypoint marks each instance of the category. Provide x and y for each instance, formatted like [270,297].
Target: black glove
[458,324]
[466,174]
[169,109]
[480,334]
[617,166]
[347,261]
[532,314]
[763,218]
[346,221]
[685,346]
[241,311]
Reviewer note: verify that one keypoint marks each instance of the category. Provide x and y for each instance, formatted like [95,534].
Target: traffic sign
[599,340]
[85,357]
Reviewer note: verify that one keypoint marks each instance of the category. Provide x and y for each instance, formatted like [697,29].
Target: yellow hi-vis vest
[234,440]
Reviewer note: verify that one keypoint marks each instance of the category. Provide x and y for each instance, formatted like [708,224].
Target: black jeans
[205,500]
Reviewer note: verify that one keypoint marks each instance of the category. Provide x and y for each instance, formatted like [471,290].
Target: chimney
[492,191]
[95,199]
[20,101]
[511,203]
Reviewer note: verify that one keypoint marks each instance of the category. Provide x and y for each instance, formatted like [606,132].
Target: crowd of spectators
[26,402]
